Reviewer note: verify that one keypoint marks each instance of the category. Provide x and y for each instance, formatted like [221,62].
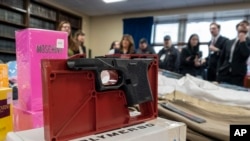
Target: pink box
[24,120]
[32,45]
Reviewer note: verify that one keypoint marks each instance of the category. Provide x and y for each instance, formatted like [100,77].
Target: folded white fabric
[204,90]
[166,85]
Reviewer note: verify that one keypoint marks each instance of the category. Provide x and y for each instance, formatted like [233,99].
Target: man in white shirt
[216,44]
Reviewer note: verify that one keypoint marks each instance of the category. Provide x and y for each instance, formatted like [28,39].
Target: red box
[74,108]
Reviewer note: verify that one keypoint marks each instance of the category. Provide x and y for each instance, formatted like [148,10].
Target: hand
[188,58]
[197,61]
[213,48]
[242,37]
[203,61]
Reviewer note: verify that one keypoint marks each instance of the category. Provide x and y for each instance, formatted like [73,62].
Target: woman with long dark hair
[79,37]
[114,45]
[190,60]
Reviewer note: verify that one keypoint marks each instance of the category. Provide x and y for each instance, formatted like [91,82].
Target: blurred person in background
[127,45]
[144,47]
[80,38]
[114,45]
[72,45]
[216,45]
[190,60]
[232,63]
[169,56]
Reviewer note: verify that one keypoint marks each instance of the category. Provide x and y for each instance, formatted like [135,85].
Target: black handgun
[132,75]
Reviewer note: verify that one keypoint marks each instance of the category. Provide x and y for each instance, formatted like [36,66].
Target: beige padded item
[218,117]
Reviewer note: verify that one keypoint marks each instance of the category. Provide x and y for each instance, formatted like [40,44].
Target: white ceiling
[99,8]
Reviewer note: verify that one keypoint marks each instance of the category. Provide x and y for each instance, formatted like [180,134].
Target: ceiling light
[111,1]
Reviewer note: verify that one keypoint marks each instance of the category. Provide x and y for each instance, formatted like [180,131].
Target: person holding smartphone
[190,60]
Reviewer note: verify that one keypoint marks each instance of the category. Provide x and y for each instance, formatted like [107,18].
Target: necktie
[213,43]
[232,50]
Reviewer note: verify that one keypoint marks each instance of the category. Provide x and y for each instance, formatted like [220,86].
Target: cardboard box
[5,112]
[32,45]
[4,81]
[24,120]
[154,130]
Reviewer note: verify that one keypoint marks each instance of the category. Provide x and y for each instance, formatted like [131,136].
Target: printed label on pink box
[32,45]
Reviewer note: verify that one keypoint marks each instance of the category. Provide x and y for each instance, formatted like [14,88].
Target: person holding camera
[190,60]
[232,63]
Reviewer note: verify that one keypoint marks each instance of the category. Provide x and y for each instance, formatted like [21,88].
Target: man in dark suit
[215,47]
[233,59]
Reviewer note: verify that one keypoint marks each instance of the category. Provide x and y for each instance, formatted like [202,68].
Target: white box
[154,130]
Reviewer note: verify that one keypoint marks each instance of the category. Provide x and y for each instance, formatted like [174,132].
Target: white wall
[103,31]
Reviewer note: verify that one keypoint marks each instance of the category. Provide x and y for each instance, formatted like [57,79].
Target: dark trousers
[234,80]
[211,74]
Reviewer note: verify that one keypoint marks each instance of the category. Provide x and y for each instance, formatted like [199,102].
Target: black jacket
[169,59]
[148,50]
[188,66]
[238,66]
[213,58]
